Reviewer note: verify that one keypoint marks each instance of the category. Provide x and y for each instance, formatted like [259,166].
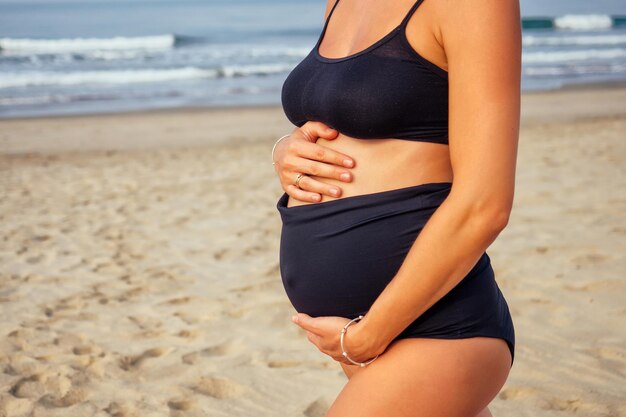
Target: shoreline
[601,85]
[168,128]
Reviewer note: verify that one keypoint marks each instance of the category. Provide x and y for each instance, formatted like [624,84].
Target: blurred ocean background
[85,56]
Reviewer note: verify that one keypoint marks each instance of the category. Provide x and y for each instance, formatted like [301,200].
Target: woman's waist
[384,165]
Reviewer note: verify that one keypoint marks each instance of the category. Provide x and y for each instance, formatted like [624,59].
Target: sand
[139,266]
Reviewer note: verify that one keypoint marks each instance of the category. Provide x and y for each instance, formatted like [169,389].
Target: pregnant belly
[385,164]
[337,256]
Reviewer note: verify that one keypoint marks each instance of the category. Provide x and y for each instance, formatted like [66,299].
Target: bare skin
[479,44]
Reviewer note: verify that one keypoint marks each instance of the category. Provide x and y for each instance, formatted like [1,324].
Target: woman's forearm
[449,245]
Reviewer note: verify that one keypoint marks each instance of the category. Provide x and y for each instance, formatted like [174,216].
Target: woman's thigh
[424,377]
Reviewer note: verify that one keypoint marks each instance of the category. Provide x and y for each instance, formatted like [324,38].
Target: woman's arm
[482,41]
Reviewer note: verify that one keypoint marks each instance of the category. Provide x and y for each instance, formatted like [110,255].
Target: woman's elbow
[499,219]
[491,214]
[487,208]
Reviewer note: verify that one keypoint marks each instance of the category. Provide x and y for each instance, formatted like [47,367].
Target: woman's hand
[325,333]
[299,153]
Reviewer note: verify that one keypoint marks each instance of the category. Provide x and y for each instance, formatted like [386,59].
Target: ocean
[93,56]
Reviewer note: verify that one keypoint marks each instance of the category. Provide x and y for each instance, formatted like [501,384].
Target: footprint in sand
[128,363]
[259,286]
[284,363]
[608,285]
[132,293]
[182,403]
[218,387]
[73,396]
[51,390]
[515,393]
[620,230]
[46,258]
[121,409]
[537,398]
[536,300]
[589,259]
[218,255]
[11,406]
[220,349]
[225,348]
[145,323]
[177,301]
[188,334]
[62,307]
[273,270]
[317,408]
[253,250]
[19,364]
[562,404]
[189,318]
[86,350]
[69,340]
[612,358]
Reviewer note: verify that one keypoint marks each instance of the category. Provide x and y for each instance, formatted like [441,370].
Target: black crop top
[387,90]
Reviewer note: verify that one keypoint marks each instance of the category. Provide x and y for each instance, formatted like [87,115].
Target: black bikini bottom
[337,256]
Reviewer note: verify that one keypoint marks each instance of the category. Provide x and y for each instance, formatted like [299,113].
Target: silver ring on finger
[298,178]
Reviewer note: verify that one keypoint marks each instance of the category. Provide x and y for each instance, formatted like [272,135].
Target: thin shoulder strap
[323,32]
[410,13]
[329,15]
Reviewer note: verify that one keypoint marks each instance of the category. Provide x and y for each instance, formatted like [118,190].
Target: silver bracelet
[343,350]
[274,147]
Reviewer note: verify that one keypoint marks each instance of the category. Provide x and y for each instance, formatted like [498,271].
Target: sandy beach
[139,266]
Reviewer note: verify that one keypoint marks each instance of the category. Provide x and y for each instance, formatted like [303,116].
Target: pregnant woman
[398,177]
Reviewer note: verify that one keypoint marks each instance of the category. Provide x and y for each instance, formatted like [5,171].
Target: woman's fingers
[313,159]
[302,195]
[312,185]
[321,153]
[313,130]
[293,163]
[300,154]
[289,153]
